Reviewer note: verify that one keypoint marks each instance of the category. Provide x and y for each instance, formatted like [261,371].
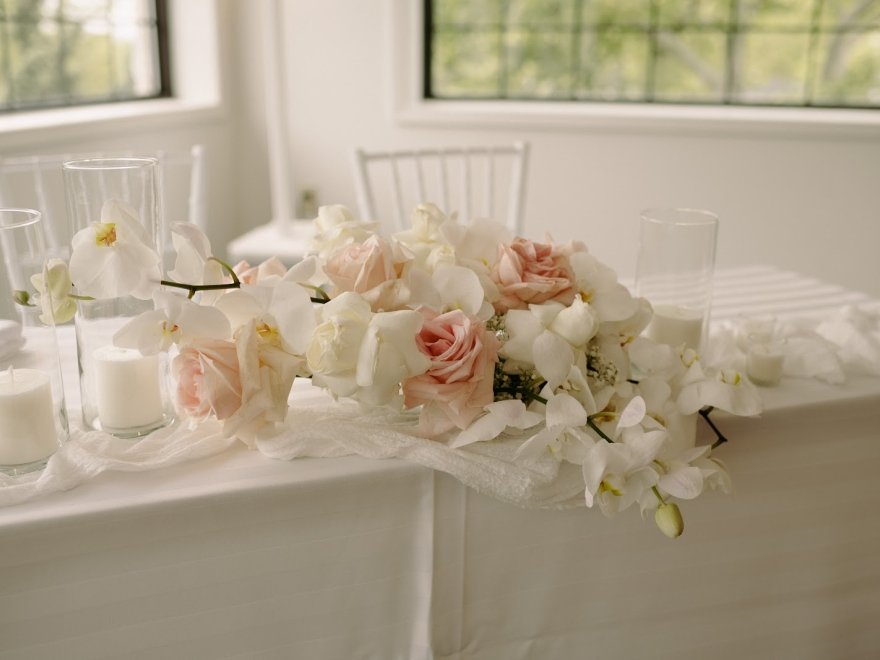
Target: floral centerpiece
[484,334]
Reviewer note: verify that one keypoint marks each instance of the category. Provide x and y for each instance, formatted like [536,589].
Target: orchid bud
[669,520]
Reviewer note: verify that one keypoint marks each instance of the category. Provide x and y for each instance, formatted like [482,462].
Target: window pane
[689,67]
[557,13]
[773,67]
[747,52]
[467,12]
[600,13]
[695,12]
[612,66]
[846,13]
[539,65]
[465,64]
[776,13]
[849,69]
[78,51]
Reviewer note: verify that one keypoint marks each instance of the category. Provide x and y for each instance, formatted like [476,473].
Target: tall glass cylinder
[33,417]
[674,271]
[115,211]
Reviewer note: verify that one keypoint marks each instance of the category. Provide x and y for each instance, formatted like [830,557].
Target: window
[822,53]
[69,52]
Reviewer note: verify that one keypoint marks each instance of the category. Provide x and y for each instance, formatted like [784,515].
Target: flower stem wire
[704,413]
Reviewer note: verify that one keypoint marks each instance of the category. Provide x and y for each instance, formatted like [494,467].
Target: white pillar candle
[764,364]
[674,325]
[127,388]
[27,417]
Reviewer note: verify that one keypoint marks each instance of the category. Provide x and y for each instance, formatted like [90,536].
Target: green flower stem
[195,288]
[324,296]
[229,269]
[704,413]
[658,495]
[76,297]
[596,428]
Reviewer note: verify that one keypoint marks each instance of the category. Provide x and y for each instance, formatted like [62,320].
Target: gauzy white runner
[342,429]
[87,454]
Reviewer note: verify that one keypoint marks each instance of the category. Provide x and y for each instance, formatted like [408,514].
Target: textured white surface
[232,555]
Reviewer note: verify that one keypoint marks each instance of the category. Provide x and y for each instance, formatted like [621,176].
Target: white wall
[804,202]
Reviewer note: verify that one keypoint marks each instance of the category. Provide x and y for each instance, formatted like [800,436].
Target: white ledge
[25,129]
[642,117]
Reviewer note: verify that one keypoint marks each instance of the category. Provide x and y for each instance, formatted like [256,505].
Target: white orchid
[56,303]
[723,389]
[283,313]
[531,343]
[174,320]
[598,285]
[617,474]
[500,416]
[114,257]
[448,288]
[193,263]
[564,433]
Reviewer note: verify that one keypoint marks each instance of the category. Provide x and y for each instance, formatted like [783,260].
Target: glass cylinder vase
[674,271]
[33,417]
[118,237]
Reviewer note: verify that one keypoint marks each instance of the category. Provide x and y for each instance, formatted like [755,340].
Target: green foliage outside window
[746,52]
[66,52]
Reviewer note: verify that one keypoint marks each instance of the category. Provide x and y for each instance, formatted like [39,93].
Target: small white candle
[127,384]
[674,325]
[764,364]
[27,417]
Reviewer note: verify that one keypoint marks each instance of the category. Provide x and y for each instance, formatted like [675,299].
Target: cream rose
[531,273]
[208,379]
[373,269]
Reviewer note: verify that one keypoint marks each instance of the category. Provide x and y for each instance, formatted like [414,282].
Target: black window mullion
[653,52]
[732,44]
[575,61]
[812,52]
[7,54]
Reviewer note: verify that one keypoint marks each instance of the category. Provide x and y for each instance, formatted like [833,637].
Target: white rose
[335,227]
[366,356]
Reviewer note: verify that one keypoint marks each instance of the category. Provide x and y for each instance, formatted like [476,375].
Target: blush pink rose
[208,379]
[372,269]
[531,273]
[254,274]
[459,382]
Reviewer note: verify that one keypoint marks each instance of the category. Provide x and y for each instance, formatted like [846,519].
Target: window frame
[195,71]
[411,108]
[163,69]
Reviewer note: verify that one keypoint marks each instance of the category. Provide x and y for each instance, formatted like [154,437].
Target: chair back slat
[397,195]
[420,175]
[466,186]
[467,180]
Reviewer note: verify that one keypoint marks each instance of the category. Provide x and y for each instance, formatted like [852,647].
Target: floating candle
[127,384]
[27,417]
[675,325]
[764,364]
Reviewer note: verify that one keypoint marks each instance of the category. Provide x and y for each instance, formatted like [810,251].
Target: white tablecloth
[237,556]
